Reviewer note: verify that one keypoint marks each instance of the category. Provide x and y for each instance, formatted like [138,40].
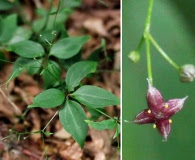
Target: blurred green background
[173,27]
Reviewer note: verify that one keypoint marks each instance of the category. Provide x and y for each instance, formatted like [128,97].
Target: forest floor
[92,18]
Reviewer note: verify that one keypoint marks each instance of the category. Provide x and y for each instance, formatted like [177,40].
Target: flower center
[159,115]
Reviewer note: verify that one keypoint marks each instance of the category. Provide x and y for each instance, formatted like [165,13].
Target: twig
[16,109]
[38,4]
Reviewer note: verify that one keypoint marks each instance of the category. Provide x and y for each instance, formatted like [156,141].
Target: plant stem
[50,121]
[103,113]
[149,15]
[58,8]
[146,31]
[160,50]
[149,64]
[138,48]
[43,140]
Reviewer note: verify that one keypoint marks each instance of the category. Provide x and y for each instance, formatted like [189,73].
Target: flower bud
[134,56]
[187,73]
[54,32]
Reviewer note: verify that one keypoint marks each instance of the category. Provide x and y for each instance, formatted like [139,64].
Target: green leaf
[51,74]
[73,4]
[44,24]
[5,5]
[48,99]
[15,74]
[28,49]
[37,25]
[95,97]
[68,47]
[95,55]
[94,114]
[77,72]
[47,133]
[105,124]
[8,27]
[72,118]
[32,66]
[59,20]
[21,34]
[67,63]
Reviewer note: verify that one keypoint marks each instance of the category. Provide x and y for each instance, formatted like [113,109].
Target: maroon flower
[159,112]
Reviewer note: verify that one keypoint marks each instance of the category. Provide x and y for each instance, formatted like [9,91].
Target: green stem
[58,8]
[149,64]
[4,60]
[49,121]
[103,113]
[149,15]
[43,140]
[160,50]
[146,31]
[46,68]
[2,139]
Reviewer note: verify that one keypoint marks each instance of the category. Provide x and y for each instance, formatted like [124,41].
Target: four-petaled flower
[159,112]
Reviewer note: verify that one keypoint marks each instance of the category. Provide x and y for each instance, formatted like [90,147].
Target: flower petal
[144,117]
[154,98]
[164,127]
[173,106]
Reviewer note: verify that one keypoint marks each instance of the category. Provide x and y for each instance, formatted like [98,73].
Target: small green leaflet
[28,49]
[32,66]
[72,118]
[105,124]
[95,55]
[8,26]
[5,5]
[68,47]
[77,72]
[48,99]
[95,97]
[47,133]
[51,74]
[21,34]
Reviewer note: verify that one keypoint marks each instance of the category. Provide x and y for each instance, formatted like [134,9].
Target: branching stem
[160,50]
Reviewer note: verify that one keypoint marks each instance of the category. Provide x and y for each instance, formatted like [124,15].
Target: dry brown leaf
[95,25]
[73,152]
[100,144]
[22,94]
[9,110]
[100,156]
[35,119]
[62,134]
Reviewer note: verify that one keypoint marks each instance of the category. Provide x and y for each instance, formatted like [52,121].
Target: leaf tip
[87,121]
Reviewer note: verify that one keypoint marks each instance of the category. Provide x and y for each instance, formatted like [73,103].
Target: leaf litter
[95,19]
